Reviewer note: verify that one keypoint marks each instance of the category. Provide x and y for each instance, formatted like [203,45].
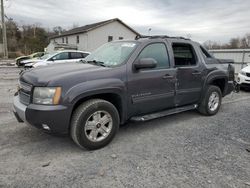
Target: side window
[77,39]
[205,52]
[184,55]
[62,40]
[61,56]
[84,55]
[67,40]
[158,52]
[76,55]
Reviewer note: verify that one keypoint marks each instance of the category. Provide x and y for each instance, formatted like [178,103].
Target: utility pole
[5,48]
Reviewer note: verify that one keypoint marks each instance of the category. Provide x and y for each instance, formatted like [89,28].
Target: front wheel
[94,124]
[211,101]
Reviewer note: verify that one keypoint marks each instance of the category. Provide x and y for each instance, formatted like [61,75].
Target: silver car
[65,56]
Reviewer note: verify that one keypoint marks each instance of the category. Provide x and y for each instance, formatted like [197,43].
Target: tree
[234,43]
[13,35]
[58,30]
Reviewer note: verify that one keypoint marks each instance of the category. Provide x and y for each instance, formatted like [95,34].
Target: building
[55,46]
[90,37]
[241,57]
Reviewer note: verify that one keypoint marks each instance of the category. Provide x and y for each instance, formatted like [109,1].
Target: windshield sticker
[131,45]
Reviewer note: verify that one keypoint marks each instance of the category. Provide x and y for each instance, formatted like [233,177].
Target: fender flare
[98,87]
[212,76]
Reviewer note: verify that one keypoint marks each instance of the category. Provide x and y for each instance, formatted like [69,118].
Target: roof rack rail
[159,36]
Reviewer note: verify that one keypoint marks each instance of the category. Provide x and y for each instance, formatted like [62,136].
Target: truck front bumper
[52,118]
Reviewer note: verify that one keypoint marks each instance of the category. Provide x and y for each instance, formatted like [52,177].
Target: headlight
[46,95]
[243,73]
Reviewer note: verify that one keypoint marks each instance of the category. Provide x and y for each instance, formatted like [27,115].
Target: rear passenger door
[189,74]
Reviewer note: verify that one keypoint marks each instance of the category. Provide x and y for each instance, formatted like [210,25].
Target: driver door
[62,57]
[151,90]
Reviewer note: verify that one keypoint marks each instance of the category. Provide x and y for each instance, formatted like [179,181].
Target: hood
[31,61]
[41,76]
[20,57]
[246,69]
[40,63]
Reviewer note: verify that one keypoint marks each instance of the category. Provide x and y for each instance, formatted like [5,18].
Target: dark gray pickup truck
[139,80]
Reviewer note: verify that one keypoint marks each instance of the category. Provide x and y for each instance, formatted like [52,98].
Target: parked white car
[244,77]
[65,56]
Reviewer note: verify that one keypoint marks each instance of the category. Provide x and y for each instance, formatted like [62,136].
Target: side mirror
[145,63]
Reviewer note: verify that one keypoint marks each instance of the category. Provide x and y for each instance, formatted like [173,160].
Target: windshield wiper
[99,63]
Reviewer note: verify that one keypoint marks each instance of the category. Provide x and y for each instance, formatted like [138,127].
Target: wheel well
[115,99]
[220,83]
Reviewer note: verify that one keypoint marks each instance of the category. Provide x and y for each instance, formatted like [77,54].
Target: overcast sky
[203,20]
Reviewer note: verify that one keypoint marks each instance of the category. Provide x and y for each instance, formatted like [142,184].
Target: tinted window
[110,38]
[158,52]
[77,39]
[184,55]
[66,40]
[61,56]
[84,55]
[76,55]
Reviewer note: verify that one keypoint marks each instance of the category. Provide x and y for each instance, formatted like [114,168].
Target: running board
[163,113]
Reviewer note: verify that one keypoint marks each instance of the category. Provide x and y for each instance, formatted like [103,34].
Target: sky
[202,20]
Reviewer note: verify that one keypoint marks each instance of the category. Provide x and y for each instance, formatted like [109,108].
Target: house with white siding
[90,37]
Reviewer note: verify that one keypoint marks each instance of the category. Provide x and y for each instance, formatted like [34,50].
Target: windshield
[46,56]
[112,53]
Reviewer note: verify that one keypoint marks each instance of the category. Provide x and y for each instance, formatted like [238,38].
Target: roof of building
[89,27]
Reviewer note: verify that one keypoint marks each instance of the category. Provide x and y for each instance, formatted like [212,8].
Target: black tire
[18,63]
[204,105]
[83,113]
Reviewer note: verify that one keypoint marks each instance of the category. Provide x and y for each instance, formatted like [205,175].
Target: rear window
[76,55]
[84,55]
[184,55]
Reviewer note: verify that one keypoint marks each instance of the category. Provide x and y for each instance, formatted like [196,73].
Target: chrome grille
[24,92]
[24,86]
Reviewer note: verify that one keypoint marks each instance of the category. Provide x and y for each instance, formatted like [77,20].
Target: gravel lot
[182,150]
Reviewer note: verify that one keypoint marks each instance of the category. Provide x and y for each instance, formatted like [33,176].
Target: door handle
[167,76]
[196,73]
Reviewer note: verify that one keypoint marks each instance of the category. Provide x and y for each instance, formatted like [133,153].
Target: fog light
[46,127]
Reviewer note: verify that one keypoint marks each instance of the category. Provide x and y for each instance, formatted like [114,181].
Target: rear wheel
[211,101]
[94,124]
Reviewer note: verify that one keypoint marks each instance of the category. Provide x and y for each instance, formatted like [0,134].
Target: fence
[241,57]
